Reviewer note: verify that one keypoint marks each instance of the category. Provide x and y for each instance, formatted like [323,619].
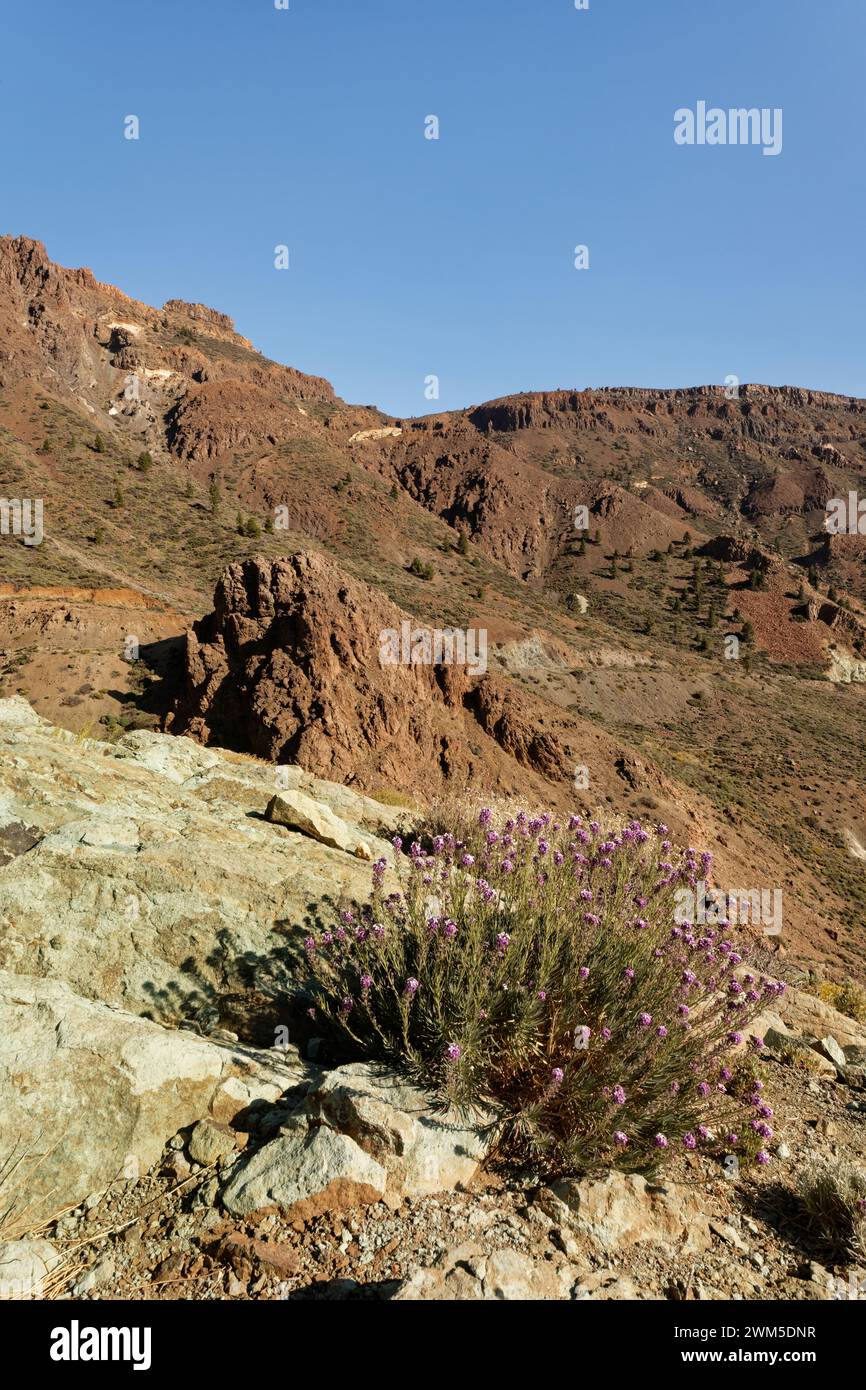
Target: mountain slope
[166,449]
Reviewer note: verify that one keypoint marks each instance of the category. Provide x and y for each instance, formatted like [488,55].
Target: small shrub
[832,1195]
[849,998]
[144,462]
[801,1057]
[420,569]
[538,970]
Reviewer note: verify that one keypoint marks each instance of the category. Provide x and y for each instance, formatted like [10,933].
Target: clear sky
[411,257]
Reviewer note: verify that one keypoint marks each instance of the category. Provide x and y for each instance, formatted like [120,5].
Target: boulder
[422,1150]
[829,1048]
[808,1014]
[298,811]
[623,1209]
[306,1171]
[789,1046]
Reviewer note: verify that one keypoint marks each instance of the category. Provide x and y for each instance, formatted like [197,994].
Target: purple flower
[732,1139]
[619,1138]
[661,1031]
[690,1141]
[452,1052]
[703,1089]
[629,972]
[762,1158]
[644,1020]
[366,983]
[502,940]
[660,1141]
[410,986]
[310,945]
[583,972]
[557,1075]
[485,816]
[619,1095]
[735,1038]
[449,929]
[542,994]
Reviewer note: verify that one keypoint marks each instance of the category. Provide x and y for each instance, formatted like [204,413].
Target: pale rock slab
[623,1209]
[305,1172]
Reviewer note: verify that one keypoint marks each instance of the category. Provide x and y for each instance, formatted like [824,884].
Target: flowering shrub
[537,968]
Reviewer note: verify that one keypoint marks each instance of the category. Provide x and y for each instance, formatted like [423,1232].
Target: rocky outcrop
[145,875]
[89,1095]
[288,666]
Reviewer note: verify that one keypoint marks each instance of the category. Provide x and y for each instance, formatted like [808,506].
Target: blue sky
[412,257]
